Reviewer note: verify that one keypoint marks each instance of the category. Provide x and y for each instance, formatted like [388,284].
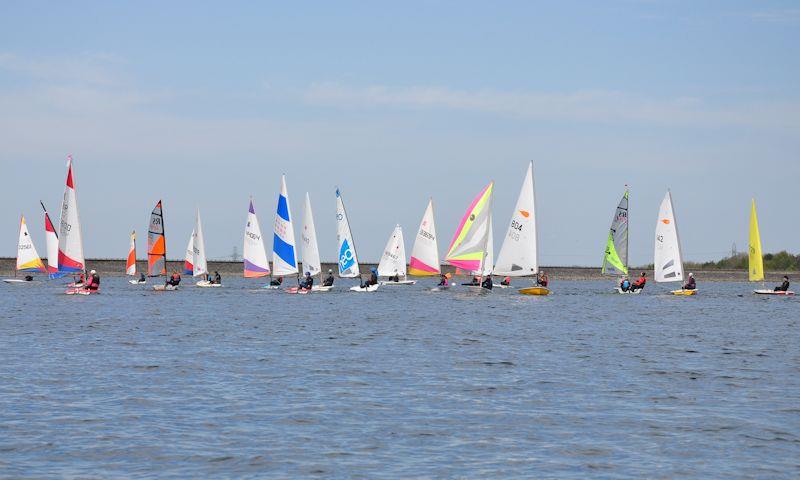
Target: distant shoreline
[116,267]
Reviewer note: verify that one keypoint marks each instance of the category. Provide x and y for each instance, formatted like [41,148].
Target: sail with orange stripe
[130,265]
[156,244]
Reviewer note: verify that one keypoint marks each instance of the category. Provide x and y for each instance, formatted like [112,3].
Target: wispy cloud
[595,106]
[785,15]
[87,68]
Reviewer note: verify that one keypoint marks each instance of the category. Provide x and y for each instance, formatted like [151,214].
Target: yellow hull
[534,291]
[684,292]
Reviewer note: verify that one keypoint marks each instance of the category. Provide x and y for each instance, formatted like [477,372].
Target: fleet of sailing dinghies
[425,252]
[254,254]
[667,257]
[156,244]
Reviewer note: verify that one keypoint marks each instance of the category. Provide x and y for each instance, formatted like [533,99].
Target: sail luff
[755,255]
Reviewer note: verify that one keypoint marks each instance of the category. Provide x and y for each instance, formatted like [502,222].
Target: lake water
[239,382]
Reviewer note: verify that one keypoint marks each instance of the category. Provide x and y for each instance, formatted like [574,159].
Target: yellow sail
[756,262]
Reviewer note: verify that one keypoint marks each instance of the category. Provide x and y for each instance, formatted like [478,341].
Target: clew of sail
[284,258]
[156,243]
[425,252]
[308,241]
[468,248]
[667,255]
[347,258]
[615,261]
[254,253]
[393,260]
[755,257]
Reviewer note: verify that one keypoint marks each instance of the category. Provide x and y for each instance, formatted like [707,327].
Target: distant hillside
[773,262]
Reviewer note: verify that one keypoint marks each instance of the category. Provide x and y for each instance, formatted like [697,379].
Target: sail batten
[156,243]
[253,253]
[615,259]
[424,259]
[755,255]
[519,254]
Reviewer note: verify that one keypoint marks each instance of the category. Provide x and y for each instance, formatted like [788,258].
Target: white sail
[393,260]
[70,240]
[425,252]
[347,258]
[254,254]
[667,256]
[199,263]
[519,254]
[28,259]
[488,263]
[188,261]
[309,250]
[284,257]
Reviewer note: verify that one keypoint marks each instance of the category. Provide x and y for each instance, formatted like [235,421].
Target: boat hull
[165,288]
[207,284]
[399,283]
[628,292]
[787,293]
[81,291]
[17,281]
[535,291]
[136,282]
[683,292]
[370,288]
[297,291]
[322,288]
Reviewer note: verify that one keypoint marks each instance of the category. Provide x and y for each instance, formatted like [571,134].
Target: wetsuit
[395,278]
[276,282]
[174,280]
[142,278]
[625,285]
[307,283]
[328,281]
[783,287]
[373,280]
[487,283]
[217,278]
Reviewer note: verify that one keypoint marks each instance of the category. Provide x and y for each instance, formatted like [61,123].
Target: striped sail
[755,257]
[52,246]
[468,247]
[28,259]
[347,258]
[70,240]
[393,260]
[308,241]
[199,264]
[667,255]
[130,264]
[254,254]
[615,261]
[156,243]
[284,258]
[425,252]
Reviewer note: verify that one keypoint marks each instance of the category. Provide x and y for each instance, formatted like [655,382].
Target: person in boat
[174,280]
[209,279]
[783,287]
[487,282]
[94,281]
[81,280]
[690,283]
[28,278]
[625,284]
[217,278]
[474,282]
[307,282]
[443,281]
[395,278]
[142,278]
[542,280]
[328,282]
[276,282]
[639,284]
[506,281]
[373,278]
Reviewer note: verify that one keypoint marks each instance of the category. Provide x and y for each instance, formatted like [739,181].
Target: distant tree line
[774,262]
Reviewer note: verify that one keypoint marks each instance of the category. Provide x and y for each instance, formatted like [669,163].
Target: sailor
[474,282]
[94,281]
[542,279]
[328,282]
[175,279]
[690,283]
[217,278]
[487,282]
[28,278]
[506,281]
[625,284]
[639,284]
[443,281]
[395,278]
[142,278]
[308,282]
[373,278]
[276,282]
[783,287]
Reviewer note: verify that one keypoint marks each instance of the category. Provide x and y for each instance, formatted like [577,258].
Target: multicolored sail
[254,254]
[52,246]
[284,257]
[468,247]
[755,257]
[28,259]
[393,260]
[347,257]
[667,255]
[156,244]
[615,261]
[130,264]
[425,252]
[308,241]
[70,240]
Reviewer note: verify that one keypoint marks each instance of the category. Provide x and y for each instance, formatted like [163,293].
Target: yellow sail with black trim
[755,258]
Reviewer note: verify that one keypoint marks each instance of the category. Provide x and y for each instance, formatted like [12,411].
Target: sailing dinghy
[130,264]
[667,257]
[393,260]
[70,238]
[309,248]
[284,251]
[615,257]
[756,259]
[468,249]
[157,249]
[28,260]
[347,257]
[199,263]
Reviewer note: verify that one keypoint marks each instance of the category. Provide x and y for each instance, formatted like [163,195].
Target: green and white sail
[615,261]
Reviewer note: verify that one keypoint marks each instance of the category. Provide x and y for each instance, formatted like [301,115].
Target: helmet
[92,272]
[308,274]
[691,274]
[644,274]
[330,270]
[373,269]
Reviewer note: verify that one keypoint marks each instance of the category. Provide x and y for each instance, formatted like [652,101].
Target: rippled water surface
[404,382]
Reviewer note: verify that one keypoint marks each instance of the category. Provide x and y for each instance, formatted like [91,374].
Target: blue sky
[203,104]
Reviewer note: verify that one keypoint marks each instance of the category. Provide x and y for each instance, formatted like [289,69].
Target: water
[235,382]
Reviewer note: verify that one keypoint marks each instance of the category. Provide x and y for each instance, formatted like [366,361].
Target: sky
[203,104]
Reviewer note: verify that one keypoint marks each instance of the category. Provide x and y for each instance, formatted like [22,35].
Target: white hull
[136,282]
[81,291]
[371,288]
[629,292]
[17,281]
[271,287]
[165,288]
[477,289]
[207,284]
[440,288]
[772,292]
[401,282]
[321,288]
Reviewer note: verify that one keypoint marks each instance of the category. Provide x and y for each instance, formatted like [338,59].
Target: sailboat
[615,259]
[28,260]
[393,260]
[52,246]
[284,252]
[188,256]
[424,260]
[157,248]
[70,238]
[347,257]
[519,254]
[199,263]
[130,263]
[255,256]
[667,257]
[309,249]
[468,249]
[755,257]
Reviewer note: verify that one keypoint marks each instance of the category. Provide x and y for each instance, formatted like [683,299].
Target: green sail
[615,261]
